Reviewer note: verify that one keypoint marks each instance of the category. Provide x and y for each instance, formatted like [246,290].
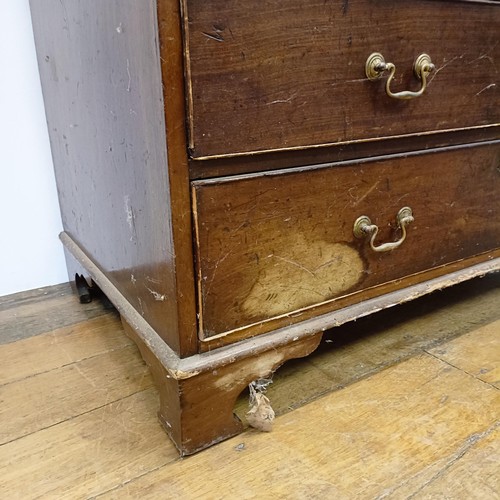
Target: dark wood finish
[290,74]
[102,86]
[352,306]
[278,76]
[274,245]
[199,411]
[264,162]
[172,69]
[374,299]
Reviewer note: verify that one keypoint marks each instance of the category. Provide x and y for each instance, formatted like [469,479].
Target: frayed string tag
[261,414]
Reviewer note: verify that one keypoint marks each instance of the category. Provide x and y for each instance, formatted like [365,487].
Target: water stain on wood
[304,273]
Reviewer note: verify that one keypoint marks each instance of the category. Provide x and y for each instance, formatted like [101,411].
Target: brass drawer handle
[364,227]
[375,66]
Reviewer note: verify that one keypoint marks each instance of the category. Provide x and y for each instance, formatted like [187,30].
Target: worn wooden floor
[402,404]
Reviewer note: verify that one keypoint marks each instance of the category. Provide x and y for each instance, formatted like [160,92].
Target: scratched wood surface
[270,75]
[280,248]
[109,133]
[408,407]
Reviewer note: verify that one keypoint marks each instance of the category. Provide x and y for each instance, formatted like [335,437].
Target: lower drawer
[282,245]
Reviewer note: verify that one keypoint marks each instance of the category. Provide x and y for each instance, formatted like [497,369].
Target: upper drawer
[291,74]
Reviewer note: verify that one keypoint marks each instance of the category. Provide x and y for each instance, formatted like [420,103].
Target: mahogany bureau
[238,177]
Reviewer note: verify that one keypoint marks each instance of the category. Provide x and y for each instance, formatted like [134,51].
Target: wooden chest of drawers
[238,177]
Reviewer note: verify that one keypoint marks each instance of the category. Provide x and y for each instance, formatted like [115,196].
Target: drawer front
[271,246]
[275,75]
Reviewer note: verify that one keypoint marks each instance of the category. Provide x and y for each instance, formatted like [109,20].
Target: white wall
[31,255]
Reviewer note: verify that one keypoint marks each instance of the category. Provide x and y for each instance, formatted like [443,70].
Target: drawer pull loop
[375,66]
[364,227]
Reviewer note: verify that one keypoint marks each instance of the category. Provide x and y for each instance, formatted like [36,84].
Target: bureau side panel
[100,71]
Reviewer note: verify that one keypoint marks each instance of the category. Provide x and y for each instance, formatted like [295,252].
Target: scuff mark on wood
[345,7]
[446,63]
[278,101]
[128,74]
[359,200]
[491,85]
[262,367]
[130,217]
[157,296]
[214,36]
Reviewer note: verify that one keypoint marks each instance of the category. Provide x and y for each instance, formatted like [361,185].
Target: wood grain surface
[274,245]
[88,454]
[417,427]
[389,435]
[62,346]
[121,193]
[290,74]
[100,380]
[461,352]
[23,315]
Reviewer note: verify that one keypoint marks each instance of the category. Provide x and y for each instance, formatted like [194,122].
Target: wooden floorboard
[477,353]
[37,402]
[473,474]
[61,347]
[401,404]
[87,454]
[385,436]
[25,314]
